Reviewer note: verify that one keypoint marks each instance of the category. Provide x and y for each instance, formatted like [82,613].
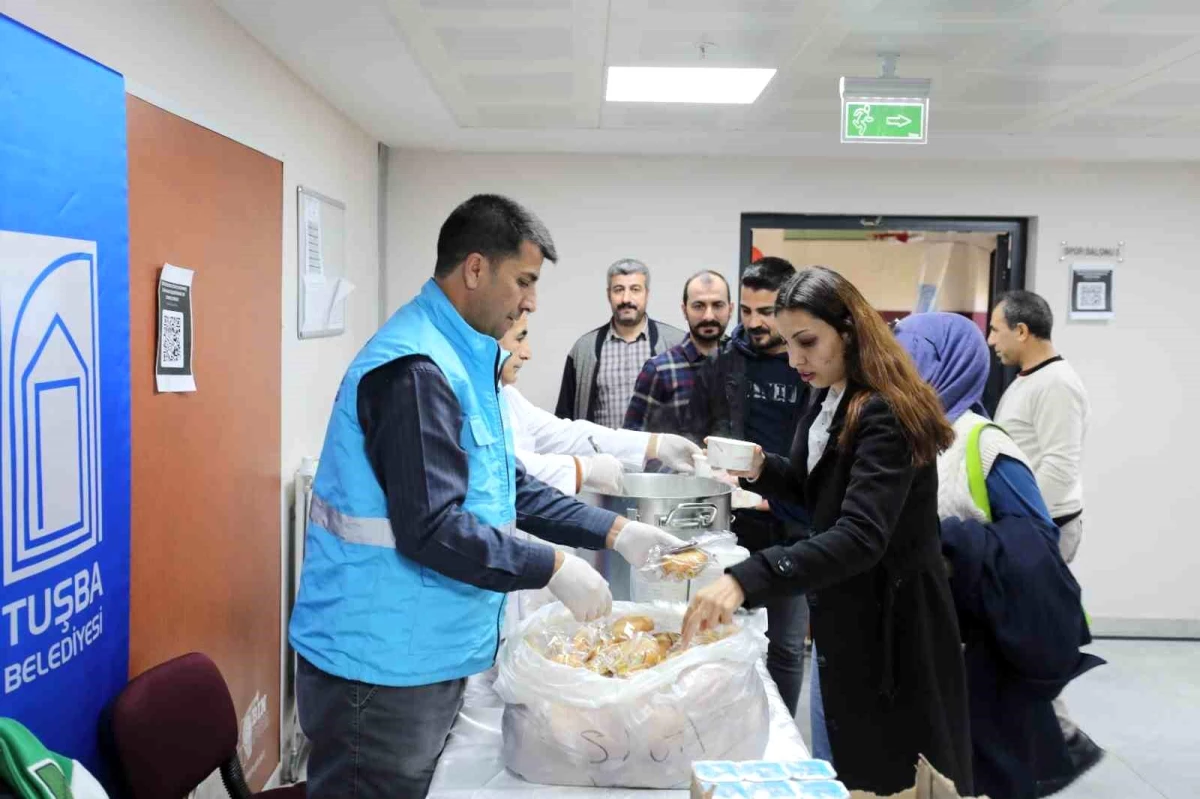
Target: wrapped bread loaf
[685,565]
[626,627]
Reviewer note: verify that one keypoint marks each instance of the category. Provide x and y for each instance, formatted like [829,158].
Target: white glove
[581,588]
[726,478]
[676,452]
[636,538]
[743,499]
[602,474]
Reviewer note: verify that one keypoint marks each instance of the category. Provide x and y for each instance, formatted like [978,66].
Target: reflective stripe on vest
[363,530]
[373,532]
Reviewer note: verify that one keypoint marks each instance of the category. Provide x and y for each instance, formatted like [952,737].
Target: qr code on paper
[1091,297]
[170,349]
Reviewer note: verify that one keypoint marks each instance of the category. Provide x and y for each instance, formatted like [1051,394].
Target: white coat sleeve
[556,471]
[548,434]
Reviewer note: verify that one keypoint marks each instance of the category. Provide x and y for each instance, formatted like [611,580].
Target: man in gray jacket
[604,364]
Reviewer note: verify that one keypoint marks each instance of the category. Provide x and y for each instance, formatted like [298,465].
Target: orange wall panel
[206,481]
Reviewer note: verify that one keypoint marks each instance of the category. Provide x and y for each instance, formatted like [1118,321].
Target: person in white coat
[573,455]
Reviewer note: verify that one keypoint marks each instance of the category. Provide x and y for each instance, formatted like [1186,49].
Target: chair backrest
[173,726]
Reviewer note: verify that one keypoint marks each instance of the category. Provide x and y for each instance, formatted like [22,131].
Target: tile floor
[1143,707]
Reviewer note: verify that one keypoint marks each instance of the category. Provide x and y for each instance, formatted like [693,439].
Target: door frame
[1004,278]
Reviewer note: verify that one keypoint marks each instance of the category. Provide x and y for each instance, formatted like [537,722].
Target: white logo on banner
[49,402]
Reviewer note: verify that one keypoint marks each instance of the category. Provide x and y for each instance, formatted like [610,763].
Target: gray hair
[628,266]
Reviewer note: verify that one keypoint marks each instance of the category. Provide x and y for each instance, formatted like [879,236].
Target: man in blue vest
[408,554]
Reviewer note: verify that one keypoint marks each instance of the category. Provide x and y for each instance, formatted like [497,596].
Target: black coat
[890,655]
[1023,623]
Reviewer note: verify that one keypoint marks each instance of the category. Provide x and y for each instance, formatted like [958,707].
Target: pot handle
[690,516]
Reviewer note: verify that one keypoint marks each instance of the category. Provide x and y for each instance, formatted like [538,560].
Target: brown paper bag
[929,785]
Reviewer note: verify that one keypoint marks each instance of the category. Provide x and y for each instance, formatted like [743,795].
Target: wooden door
[205,568]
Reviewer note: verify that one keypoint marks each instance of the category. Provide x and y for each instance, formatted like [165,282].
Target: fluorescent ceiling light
[719,85]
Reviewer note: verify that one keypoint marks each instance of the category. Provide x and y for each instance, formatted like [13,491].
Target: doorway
[905,265]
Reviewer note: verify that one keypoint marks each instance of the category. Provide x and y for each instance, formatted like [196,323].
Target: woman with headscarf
[1018,604]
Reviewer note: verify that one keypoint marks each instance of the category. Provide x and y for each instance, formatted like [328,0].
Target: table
[472,766]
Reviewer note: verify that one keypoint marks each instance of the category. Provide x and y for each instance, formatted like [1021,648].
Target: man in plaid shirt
[664,386]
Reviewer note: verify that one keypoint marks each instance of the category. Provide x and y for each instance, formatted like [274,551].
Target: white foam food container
[730,454]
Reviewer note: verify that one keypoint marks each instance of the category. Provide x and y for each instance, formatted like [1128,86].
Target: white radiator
[294,746]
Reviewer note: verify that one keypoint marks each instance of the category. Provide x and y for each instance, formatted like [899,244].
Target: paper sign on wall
[1092,291]
[173,366]
[323,287]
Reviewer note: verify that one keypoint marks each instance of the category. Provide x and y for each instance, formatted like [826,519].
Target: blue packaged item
[763,771]
[821,789]
[716,771]
[755,790]
[810,770]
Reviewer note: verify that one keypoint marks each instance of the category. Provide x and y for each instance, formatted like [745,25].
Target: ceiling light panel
[716,85]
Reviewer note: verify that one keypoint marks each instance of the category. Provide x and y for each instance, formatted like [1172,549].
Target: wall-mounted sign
[173,367]
[1101,252]
[1091,291]
[884,121]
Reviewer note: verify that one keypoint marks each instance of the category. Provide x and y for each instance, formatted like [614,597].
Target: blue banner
[64,390]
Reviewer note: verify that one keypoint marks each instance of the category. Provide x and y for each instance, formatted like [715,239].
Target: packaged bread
[626,627]
[686,565]
[680,564]
[618,648]
[639,652]
[667,642]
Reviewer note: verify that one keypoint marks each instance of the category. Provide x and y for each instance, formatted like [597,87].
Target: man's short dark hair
[1029,309]
[711,275]
[492,226]
[767,273]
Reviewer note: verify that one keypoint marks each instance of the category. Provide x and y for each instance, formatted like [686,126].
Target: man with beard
[664,387]
[748,392]
[604,363]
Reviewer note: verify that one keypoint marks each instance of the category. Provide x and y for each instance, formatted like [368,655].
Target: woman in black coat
[883,618]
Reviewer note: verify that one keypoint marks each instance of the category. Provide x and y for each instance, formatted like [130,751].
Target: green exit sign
[885,121]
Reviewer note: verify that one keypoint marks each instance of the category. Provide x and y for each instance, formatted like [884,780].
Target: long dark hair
[874,359]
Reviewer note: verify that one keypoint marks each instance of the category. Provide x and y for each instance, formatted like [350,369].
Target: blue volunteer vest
[364,611]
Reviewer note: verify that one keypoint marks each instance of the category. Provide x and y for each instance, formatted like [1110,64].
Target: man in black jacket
[748,392]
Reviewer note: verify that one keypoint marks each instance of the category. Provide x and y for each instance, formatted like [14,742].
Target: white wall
[1140,552]
[189,57]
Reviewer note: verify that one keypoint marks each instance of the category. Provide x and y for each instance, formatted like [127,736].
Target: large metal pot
[681,504]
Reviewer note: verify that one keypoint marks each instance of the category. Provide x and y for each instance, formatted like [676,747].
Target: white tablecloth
[472,766]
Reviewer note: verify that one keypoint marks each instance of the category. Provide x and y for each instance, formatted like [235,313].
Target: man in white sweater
[1045,412]
[1045,409]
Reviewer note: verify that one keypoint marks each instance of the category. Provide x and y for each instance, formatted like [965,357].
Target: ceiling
[1080,79]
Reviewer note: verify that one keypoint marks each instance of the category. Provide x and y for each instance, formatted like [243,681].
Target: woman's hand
[756,465]
[712,607]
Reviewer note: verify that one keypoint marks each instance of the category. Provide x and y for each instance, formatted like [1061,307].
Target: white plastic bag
[568,726]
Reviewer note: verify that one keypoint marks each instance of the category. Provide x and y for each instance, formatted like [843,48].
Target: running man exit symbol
[886,121]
